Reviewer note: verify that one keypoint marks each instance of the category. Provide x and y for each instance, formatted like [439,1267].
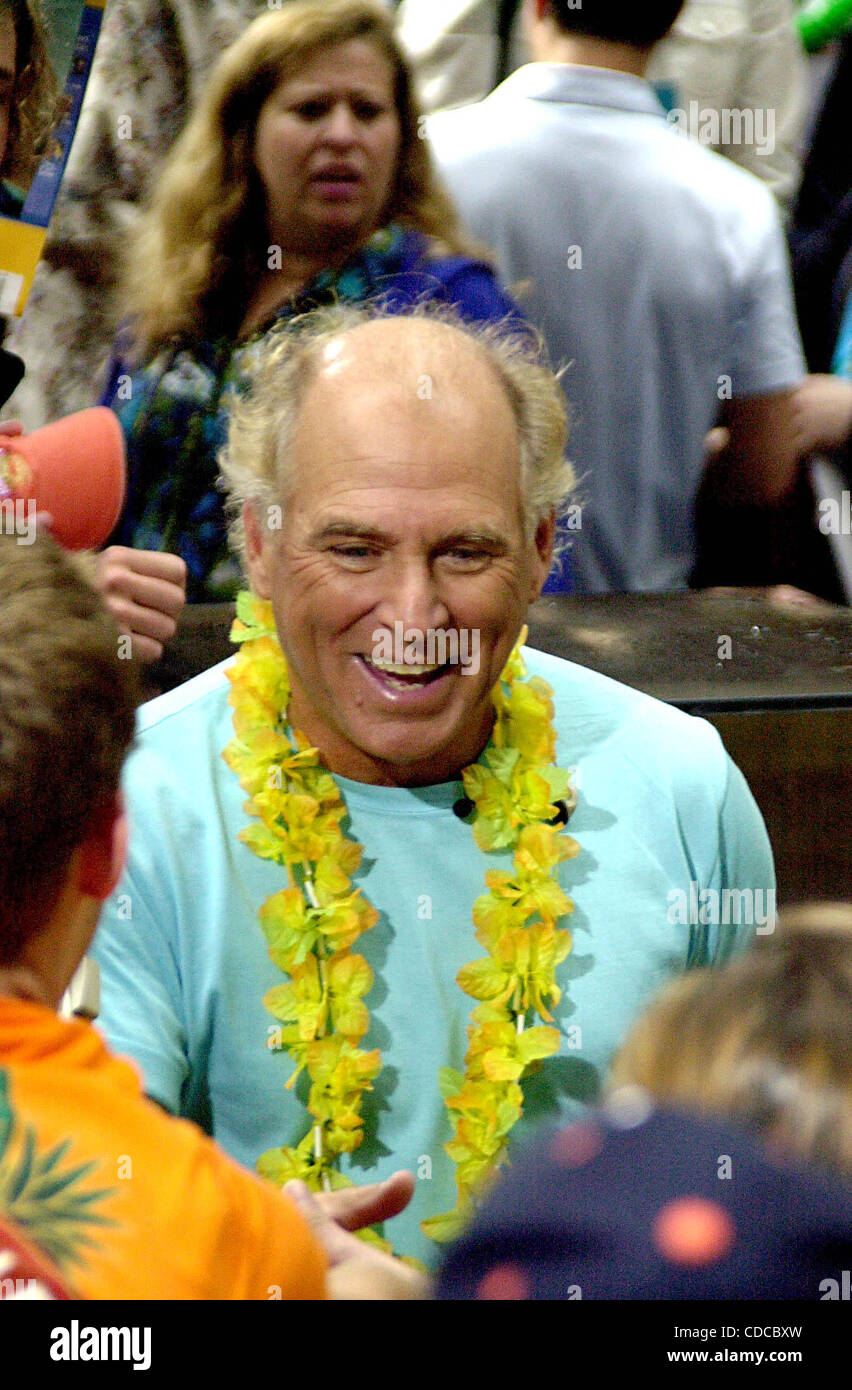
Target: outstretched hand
[352,1208]
[357,1270]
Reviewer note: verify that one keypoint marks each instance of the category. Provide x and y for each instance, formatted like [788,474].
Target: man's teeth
[406,669]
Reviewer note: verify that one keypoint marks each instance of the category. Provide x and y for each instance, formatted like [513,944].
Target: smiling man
[386,475]
[395,520]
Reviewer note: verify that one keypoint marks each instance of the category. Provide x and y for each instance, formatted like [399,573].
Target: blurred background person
[300,179]
[764,1041]
[738,1185]
[31,101]
[737,55]
[151,62]
[740,56]
[655,268]
[821,231]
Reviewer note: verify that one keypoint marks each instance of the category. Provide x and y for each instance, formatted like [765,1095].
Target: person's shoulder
[727,188]
[468,282]
[198,702]
[179,739]
[596,715]
[455,131]
[175,774]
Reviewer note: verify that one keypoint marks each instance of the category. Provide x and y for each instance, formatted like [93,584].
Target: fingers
[149,578]
[365,1279]
[356,1270]
[145,591]
[145,649]
[11,427]
[716,440]
[822,413]
[333,1239]
[355,1207]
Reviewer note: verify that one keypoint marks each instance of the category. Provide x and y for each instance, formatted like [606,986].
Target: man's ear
[103,853]
[256,553]
[544,540]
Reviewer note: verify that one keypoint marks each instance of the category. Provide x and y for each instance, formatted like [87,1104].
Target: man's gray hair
[255,460]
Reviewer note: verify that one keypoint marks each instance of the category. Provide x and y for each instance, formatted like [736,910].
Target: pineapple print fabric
[123,1200]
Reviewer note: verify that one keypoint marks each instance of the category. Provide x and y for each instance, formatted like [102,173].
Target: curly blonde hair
[38,102]
[197,254]
[255,461]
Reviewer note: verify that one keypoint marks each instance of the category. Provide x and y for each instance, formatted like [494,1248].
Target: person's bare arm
[822,408]
[759,462]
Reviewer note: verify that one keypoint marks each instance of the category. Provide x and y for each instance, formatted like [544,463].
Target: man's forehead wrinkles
[342,481]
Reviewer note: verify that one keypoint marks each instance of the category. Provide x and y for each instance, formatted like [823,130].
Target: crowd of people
[428,928]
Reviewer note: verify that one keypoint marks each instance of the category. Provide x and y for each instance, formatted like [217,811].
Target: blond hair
[38,102]
[198,254]
[255,460]
[765,1040]
[66,721]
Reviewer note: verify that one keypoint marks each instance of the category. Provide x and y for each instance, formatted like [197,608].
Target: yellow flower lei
[312,924]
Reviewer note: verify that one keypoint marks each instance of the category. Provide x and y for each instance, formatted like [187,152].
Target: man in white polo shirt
[654,267]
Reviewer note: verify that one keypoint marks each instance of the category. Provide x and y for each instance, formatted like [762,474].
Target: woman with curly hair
[300,179]
[31,101]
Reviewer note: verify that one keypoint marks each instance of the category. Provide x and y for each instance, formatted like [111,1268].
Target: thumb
[332,1238]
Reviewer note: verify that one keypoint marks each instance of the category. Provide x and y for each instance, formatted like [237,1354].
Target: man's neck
[550,45]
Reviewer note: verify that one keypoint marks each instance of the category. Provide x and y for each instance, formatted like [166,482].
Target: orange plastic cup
[75,469]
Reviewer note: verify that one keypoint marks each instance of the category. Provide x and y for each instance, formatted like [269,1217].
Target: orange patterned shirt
[127,1202]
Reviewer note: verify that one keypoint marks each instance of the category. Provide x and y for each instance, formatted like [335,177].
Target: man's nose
[413,597]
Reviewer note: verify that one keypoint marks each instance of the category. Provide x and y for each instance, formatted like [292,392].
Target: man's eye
[354,553]
[465,557]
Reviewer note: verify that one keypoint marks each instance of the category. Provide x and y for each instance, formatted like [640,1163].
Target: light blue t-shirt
[662,815]
[657,272]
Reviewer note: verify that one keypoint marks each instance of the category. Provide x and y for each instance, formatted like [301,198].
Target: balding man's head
[399,481]
[329,361]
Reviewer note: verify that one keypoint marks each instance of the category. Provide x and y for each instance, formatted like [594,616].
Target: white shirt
[655,268]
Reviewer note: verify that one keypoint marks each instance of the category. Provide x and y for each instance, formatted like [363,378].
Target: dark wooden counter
[776,681]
